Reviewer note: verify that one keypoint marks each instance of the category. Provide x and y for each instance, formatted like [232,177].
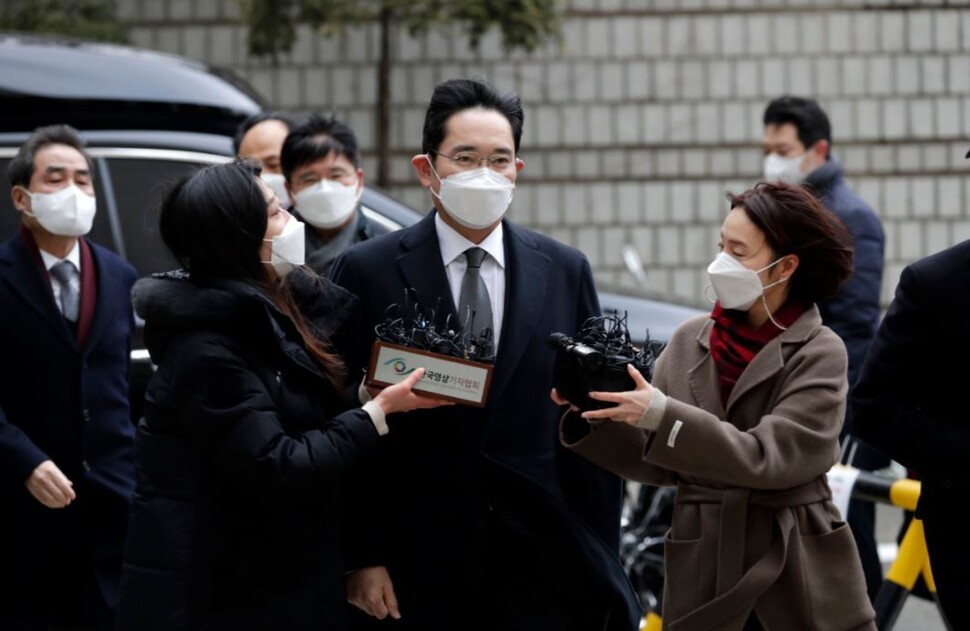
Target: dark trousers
[64,575]
[512,581]
[862,514]
[524,587]
[949,549]
[862,523]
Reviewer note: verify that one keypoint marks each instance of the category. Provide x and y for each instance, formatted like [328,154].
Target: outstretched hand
[401,398]
[630,405]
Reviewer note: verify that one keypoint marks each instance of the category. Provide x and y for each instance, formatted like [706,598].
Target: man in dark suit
[66,462]
[477,518]
[910,403]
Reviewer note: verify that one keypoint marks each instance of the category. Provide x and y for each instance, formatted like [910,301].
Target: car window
[138,185]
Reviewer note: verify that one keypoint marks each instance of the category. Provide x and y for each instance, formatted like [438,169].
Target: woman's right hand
[400,397]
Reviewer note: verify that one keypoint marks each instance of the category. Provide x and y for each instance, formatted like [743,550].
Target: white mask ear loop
[764,301]
[431,166]
[707,293]
[770,317]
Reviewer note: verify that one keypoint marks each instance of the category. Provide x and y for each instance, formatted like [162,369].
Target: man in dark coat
[910,403]
[797,148]
[478,518]
[66,467]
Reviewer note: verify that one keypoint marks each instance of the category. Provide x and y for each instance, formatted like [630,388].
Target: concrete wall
[651,109]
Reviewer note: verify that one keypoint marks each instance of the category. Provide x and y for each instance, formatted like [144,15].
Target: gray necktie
[63,273]
[474,306]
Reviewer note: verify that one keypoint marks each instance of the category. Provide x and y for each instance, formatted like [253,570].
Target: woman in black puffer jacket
[235,522]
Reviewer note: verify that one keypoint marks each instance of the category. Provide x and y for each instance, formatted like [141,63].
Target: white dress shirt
[453,246]
[74,256]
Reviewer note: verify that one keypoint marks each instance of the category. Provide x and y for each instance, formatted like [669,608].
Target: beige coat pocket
[835,588]
[682,575]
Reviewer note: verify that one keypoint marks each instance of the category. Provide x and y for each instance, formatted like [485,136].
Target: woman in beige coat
[743,416]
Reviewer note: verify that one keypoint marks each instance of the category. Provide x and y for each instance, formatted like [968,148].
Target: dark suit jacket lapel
[423,271]
[526,276]
[28,281]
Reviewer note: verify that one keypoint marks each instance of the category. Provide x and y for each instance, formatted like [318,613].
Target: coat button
[86,414]
[85,465]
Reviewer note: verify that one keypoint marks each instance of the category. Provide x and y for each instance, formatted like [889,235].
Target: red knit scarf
[734,342]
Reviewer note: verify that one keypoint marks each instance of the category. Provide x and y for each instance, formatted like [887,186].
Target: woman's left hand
[630,405]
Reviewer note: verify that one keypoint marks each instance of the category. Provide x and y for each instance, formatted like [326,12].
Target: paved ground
[917,614]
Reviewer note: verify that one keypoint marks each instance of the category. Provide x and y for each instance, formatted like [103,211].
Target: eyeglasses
[470,159]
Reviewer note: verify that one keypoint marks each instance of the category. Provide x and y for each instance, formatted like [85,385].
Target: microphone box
[451,378]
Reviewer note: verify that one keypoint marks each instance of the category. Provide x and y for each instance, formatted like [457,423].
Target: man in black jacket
[910,402]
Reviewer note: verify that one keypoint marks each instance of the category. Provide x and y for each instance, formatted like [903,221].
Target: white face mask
[736,286]
[277,183]
[778,169]
[327,204]
[476,199]
[287,249]
[68,212]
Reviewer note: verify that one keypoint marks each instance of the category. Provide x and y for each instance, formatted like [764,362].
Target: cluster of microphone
[414,327]
[596,359]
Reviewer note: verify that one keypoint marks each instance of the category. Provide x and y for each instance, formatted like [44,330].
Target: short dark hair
[795,222]
[456,95]
[315,138]
[21,168]
[805,114]
[213,222]
[290,120]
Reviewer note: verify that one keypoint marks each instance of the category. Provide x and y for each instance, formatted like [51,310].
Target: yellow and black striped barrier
[912,559]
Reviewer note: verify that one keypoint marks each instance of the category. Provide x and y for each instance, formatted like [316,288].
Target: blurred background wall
[650,109]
